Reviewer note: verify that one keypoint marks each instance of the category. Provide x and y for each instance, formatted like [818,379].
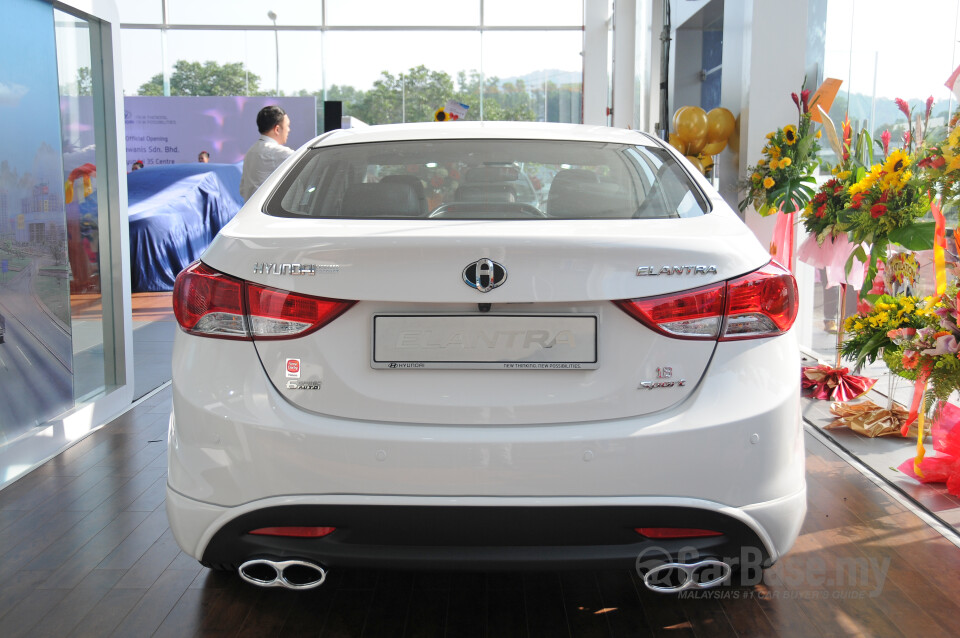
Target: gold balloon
[676,115]
[713,148]
[692,124]
[693,159]
[720,124]
[695,146]
[678,144]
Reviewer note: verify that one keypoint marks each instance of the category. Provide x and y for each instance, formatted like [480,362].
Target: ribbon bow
[836,384]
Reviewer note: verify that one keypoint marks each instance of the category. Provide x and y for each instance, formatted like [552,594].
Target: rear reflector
[760,304]
[209,303]
[298,532]
[675,532]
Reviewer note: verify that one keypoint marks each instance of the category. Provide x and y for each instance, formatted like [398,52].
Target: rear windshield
[487,179]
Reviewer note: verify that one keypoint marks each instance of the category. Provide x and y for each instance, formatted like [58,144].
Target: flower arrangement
[887,198]
[932,349]
[869,335]
[782,176]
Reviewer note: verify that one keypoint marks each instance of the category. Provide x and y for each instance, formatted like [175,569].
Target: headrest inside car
[381,200]
[488,174]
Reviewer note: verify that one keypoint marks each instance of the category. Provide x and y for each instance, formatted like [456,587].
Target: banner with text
[173,130]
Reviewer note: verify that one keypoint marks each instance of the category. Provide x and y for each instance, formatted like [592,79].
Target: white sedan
[387,359]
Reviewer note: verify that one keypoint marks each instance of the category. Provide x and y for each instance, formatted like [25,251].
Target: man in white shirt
[268,152]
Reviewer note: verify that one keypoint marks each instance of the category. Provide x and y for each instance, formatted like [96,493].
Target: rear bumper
[482,532]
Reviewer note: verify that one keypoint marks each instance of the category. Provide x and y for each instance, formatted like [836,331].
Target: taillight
[695,314]
[209,303]
[760,304]
[279,314]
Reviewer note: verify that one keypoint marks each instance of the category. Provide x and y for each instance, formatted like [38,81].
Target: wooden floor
[85,551]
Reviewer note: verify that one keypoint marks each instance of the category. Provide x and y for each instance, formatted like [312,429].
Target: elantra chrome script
[643,271]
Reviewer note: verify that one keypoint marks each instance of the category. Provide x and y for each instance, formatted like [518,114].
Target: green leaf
[870,349]
[916,236]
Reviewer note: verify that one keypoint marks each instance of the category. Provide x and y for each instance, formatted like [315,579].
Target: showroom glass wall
[506,60]
[63,351]
[860,50]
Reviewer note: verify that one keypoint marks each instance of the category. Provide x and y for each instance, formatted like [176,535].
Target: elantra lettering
[474,340]
[644,271]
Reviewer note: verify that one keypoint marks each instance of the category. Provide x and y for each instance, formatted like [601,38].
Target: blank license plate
[502,342]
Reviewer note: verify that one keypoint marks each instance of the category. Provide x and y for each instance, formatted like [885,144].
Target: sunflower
[894,167]
[896,162]
[790,134]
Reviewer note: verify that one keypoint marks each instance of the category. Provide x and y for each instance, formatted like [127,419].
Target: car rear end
[368,377]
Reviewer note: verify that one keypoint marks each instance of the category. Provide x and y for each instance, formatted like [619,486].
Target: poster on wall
[174,130]
[36,353]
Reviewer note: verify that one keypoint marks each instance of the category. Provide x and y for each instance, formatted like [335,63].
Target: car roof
[482,130]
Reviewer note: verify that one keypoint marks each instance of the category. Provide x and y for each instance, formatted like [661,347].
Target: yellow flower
[904,179]
[785,162]
[790,134]
[774,164]
[770,135]
[954,138]
[761,162]
[843,175]
[768,183]
[819,133]
[756,177]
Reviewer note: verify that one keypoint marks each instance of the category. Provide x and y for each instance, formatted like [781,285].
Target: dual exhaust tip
[289,574]
[666,578]
[672,578]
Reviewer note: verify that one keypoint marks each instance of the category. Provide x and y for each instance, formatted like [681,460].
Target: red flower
[906,138]
[821,210]
[910,359]
[904,108]
[796,100]
[932,162]
[805,98]
[929,106]
[856,201]
[877,210]
[885,138]
[847,138]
